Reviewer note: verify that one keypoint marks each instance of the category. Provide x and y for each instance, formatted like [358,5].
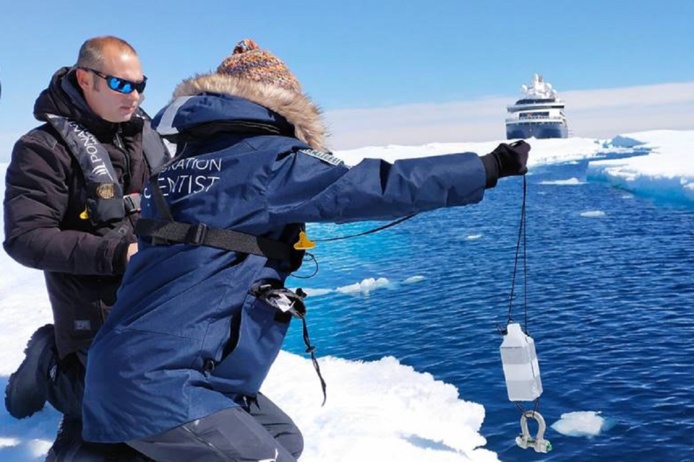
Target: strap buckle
[132,202]
[196,234]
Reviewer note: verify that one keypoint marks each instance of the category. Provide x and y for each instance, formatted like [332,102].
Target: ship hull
[536,130]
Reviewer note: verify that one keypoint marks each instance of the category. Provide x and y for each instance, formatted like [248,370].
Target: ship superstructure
[539,113]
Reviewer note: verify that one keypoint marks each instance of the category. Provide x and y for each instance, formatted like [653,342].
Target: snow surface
[404,414]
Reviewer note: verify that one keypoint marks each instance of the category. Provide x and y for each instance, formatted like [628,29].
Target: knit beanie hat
[251,63]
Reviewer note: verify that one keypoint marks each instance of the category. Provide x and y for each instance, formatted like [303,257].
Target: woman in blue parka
[201,315]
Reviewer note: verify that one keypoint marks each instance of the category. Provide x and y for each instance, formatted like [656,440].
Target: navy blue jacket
[179,304]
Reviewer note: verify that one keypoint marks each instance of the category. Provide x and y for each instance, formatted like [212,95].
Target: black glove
[506,160]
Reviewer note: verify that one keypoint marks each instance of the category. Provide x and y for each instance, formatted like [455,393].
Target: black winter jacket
[45,195]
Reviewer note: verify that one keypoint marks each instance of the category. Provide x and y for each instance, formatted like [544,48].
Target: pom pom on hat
[249,62]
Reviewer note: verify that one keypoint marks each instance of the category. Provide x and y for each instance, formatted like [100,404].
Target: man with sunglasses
[71,204]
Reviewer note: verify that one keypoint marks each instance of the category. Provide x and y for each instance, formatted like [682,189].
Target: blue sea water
[609,293]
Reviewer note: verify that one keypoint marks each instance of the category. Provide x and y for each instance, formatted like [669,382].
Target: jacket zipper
[118,141]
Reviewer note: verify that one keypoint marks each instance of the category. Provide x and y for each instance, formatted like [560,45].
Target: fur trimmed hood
[297,108]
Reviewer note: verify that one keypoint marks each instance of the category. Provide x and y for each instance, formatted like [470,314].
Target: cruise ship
[539,113]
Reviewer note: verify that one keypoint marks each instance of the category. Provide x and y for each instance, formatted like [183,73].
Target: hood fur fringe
[297,108]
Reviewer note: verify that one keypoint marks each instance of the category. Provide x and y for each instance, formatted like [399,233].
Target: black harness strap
[170,231]
[201,234]
[153,147]
[159,200]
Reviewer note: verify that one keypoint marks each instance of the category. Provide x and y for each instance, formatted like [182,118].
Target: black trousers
[261,432]
[66,387]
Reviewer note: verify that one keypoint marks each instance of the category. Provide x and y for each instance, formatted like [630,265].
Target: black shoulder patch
[326,157]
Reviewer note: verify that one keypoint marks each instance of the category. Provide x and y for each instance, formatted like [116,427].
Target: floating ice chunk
[581,423]
[8,442]
[365,286]
[316,292]
[593,214]
[569,182]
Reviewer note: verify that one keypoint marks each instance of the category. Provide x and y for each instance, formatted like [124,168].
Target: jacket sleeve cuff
[491,170]
[120,257]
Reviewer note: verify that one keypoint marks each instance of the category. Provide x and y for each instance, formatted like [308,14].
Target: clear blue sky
[361,54]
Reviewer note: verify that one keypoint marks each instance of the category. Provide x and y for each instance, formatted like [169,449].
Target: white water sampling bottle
[521,367]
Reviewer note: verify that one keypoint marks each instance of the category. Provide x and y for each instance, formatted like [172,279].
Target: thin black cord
[380,228]
[525,256]
[339,238]
[521,237]
[315,270]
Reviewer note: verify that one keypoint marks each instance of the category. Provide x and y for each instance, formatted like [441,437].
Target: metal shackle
[538,443]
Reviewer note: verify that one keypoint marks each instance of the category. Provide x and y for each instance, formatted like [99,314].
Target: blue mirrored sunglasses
[118,84]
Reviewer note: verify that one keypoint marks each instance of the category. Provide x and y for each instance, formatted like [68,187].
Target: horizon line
[593,113]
